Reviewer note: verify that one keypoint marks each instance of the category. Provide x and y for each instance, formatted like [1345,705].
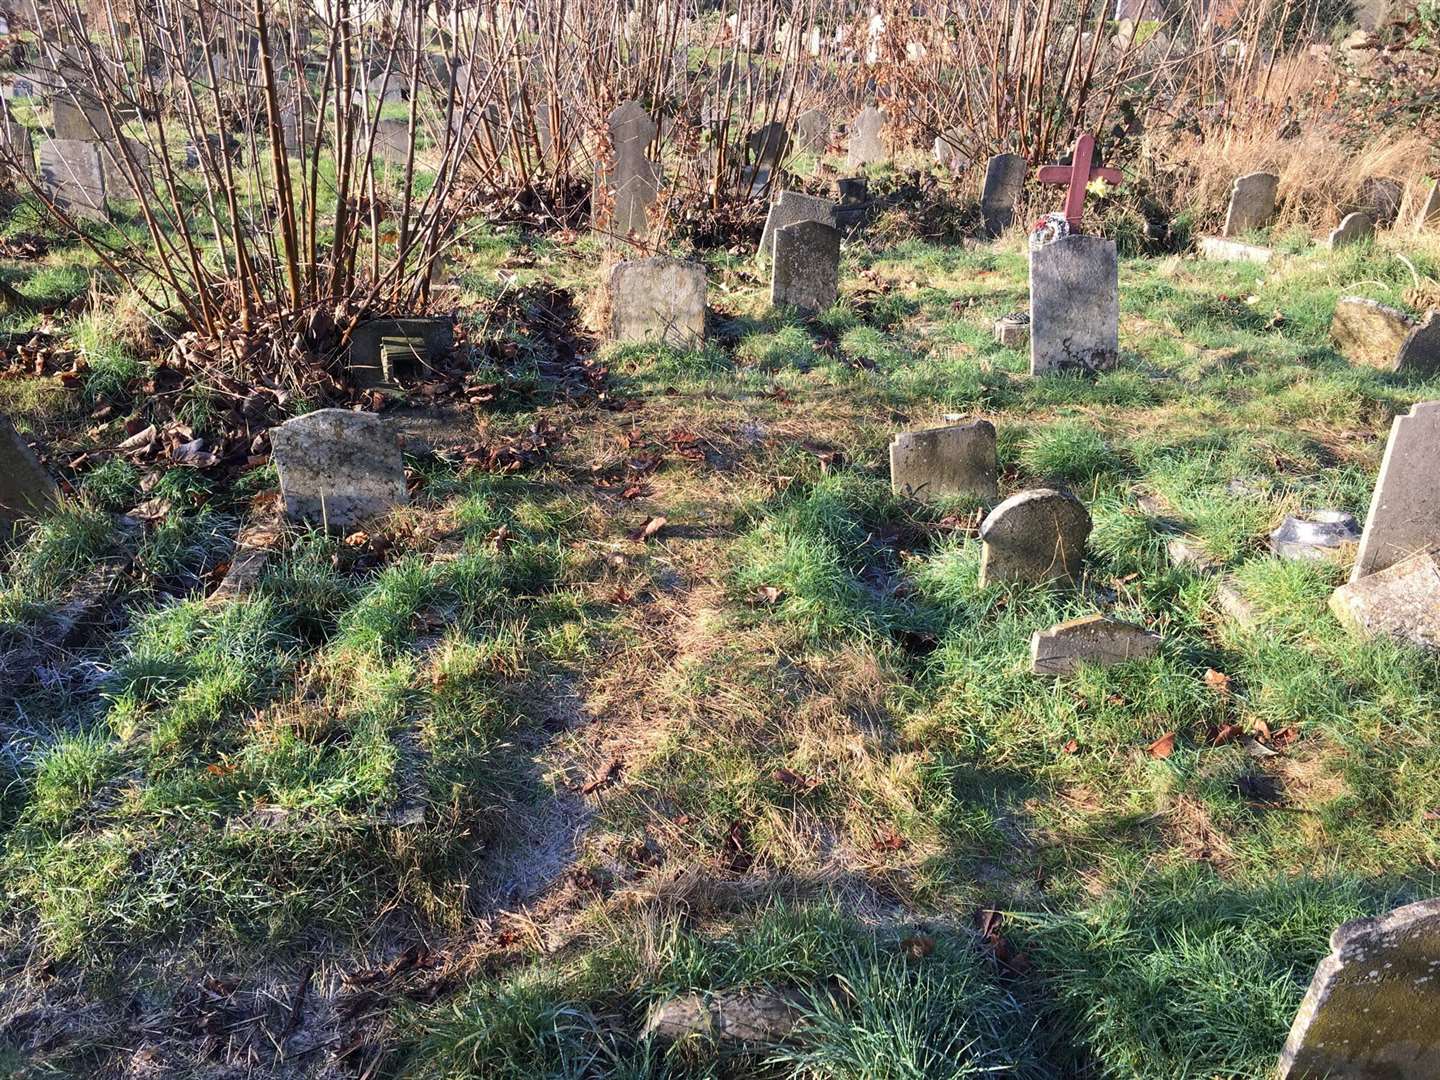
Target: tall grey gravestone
[866,143]
[72,172]
[955,460]
[633,180]
[1034,537]
[1404,516]
[26,489]
[78,120]
[658,299]
[1373,1009]
[338,469]
[806,274]
[392,141]
[790,208]
[812,132]
[1252,203]
[1004,181]
[1074,305]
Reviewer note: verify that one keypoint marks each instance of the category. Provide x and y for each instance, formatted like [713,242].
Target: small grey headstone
[806,271]
[634,180]
[954,460]
[1355,228]
[1420,353]
[1380,197]
[392,141]
[1369,332]
[658,299]
[1074,305]
[337,468]
[1430,212]
[1034,537]
[1401,601]
[791,208]
[17,143]
[866,144]
[950,152]
[812,132]
[367,361]
[72,172]
[1315,537]
[769,145]
[1004,181]
[1252,203]
[1404,513]
[117,176]
[26,490]
[79,120]
[1095,639]
[1373,1008]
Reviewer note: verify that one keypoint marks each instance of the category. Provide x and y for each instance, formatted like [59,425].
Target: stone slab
[26,489]
[1003,184]
[1369,332]
[1034,537]
[1219,249]
[338,469]
[866,141]
[806,271]
[366,357]
[659,299]
[1404,516]
[1420,354]
[955,460]
[73,175]
[812,132]
[1354,229]
[1074,305]
[1095,639]
[791,208]
[1401,601]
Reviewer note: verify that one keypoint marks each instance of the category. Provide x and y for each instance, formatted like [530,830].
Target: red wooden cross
[1077,175]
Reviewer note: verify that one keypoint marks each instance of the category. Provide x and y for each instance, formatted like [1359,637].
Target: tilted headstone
[790,208]
[633,180]
[958,459]
[769,145]
[1004,181]
[1401,601]
[431,341]
[117,169]
[812,132]
[1355,228]
[392,141]
[1420,355]
[338,469]
[72,174]
[658,299]
[1404,516]
[1369,332]
[1095,639]
[1430,212]
[806,271]
[1034,537]
[1373,1008]
[26,490]
[1380,197]
[1074,305]
[866,142]
[76,119]
[1252,203]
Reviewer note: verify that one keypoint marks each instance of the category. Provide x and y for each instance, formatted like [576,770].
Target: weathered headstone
[1095,639]
[806,271]
[1218,249]
[430,341]
[658,299]
[1430,212]
[1373,1009]
[337,468]
[768,145]
[1034,537]
[78,120]
[16,137]
[955,460]
[1004,181]
[26,490]
[1074,305]
[72,173]
[812,132]
[790,208]
[1420,354]
[1252,203]
[866,142]
[1401,601]
[117,168]
[633,180]
[392,141]
[950,152]
[1355,228]
[1380,197]
[1404,513]
[1369,332]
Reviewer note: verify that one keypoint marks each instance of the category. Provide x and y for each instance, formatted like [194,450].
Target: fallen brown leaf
[649,529]
[1162,747]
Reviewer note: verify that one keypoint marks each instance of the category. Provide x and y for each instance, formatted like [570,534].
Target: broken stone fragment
[1402,601]
[1095,639]
[729,1020]
[1324,534]
[1370,333]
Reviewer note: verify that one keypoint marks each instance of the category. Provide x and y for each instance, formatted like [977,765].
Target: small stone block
[337,468]
[1402,601]
[1370,333]
[1095,639]
[1219,249]
[936,462]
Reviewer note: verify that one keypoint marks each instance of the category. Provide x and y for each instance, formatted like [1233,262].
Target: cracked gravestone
[1074,305]
[72,174]
[1095,639]
[338,469]
[26,489]
[1402,601]
[791,208]
[1404,516]
[1034,537]
[806,270]
[414,344]
[1373,1008]
[1354,229]
[633,180]
[659,299]
[866,143]
[1004,181]
[1252,203]
[958,459]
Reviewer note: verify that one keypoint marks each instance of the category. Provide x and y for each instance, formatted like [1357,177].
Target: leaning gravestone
[1373,1008]
[806,271]
[658,299]
[1420,354]
[1252,203]
[1034,537]
[1369,332]
[16,137]
[866,144]
[1355,228]
[337,468]
[955,460]
[26,489]
[812,132]
[72,173]
[1095,639]
[1404,516]
[1004,180]
[428,341]
[633,179]
[1074,305]
[768,145]
[791,208]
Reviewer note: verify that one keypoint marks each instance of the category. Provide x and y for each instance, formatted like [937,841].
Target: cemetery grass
[480,788]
